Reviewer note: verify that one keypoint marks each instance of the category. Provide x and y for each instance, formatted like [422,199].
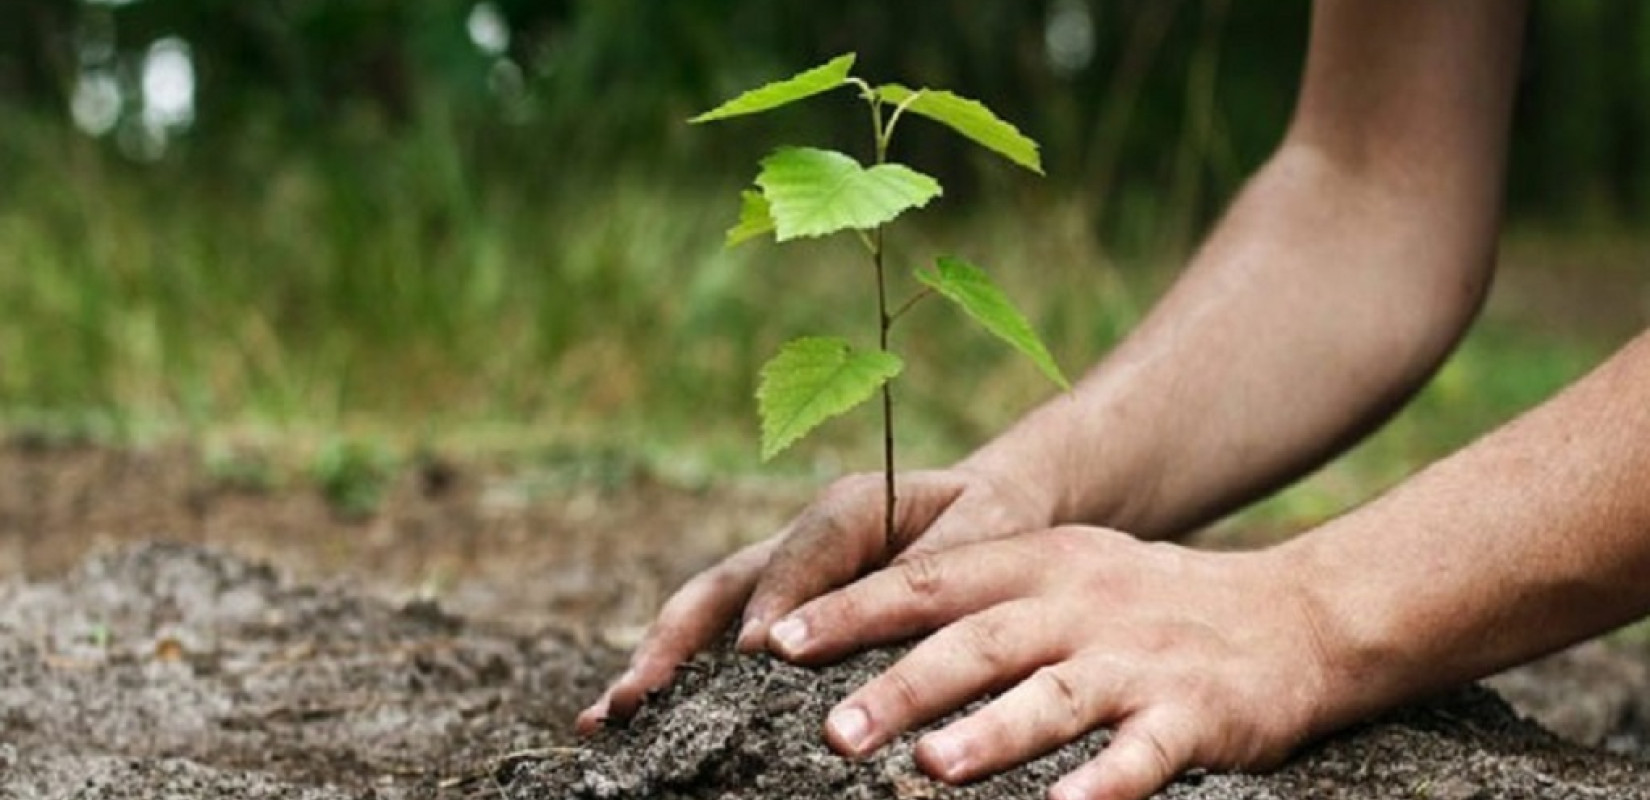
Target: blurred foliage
[1128,96]
[1154,109]
[444,215]
[353,476]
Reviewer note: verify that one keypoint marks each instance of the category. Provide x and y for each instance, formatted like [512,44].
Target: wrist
[1051,454]
[1367,659]
[1081,469]
[1020,479]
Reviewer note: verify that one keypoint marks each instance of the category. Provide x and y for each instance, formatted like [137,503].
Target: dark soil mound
[175,671]
[747,728]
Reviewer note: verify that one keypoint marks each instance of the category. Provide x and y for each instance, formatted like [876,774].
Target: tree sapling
[805,192]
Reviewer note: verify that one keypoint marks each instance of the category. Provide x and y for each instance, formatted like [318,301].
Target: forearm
[1335,284]
[1313,310]
[1531,539]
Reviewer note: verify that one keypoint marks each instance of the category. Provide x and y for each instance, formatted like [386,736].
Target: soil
[164,634]
[746,728]
[162,669]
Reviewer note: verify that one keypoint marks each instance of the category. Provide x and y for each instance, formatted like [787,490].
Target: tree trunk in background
[37,53]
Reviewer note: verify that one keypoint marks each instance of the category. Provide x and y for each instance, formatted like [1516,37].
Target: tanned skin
[1338,280]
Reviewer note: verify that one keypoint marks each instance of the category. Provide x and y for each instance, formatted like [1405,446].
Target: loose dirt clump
[748,728]
[440,647]
[173,669]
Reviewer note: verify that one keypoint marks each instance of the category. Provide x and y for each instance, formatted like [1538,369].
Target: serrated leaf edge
[1037,353]
[731,108]
[783,231]
[772,447]
[899,93]
[743,230]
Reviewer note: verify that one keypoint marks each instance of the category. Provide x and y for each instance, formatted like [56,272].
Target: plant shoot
[804,192]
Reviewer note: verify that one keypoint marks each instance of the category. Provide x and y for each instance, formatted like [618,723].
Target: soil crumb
[166,670]
[176,671]
[748,728]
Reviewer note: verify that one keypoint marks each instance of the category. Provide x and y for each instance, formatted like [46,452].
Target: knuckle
[903,692]
[1162,765]
[1172,639]
[719,582]
[837,614]
[660,642]
[689,603]
[1073,544]
[822,520]
[646,665]
[922,575]
[1061,690]
[986,640]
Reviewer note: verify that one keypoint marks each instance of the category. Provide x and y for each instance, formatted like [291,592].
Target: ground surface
[439,649]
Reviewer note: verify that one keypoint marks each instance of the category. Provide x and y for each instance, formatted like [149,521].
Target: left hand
[1196,659]
[835,540]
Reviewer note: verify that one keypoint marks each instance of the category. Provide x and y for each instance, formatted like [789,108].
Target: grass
[378,303]
[358,310]
[1500,370]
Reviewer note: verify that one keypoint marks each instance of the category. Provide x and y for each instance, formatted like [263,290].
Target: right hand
[835,540]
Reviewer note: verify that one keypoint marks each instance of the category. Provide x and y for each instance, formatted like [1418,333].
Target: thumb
[840,537]
[978,511]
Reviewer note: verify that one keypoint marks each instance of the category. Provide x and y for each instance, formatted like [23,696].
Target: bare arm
[1333,287]
[1529,540]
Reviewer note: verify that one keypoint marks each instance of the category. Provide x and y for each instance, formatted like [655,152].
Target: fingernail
[947,754]
[791,633]
[591,719]
[1072,787]
[852,727]
[749,632]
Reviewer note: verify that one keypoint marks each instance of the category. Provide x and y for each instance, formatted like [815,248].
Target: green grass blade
[971,290]
[814,192]
[813,379]
[755,218]
[971,119]
[801,86]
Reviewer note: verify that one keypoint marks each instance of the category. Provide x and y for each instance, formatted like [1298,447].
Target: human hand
[835,540]
[1196,659]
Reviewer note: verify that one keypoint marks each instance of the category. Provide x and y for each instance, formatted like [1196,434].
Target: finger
[976,516]
[912,596]
[689,622]
[1143,756]
[837,539]
[590,719]
[1057,704]
[962,661]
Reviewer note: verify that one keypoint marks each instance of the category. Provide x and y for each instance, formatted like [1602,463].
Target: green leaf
[815,192]
[801,86]
[754,218]
[813,379]
[971,119]
[969,287]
